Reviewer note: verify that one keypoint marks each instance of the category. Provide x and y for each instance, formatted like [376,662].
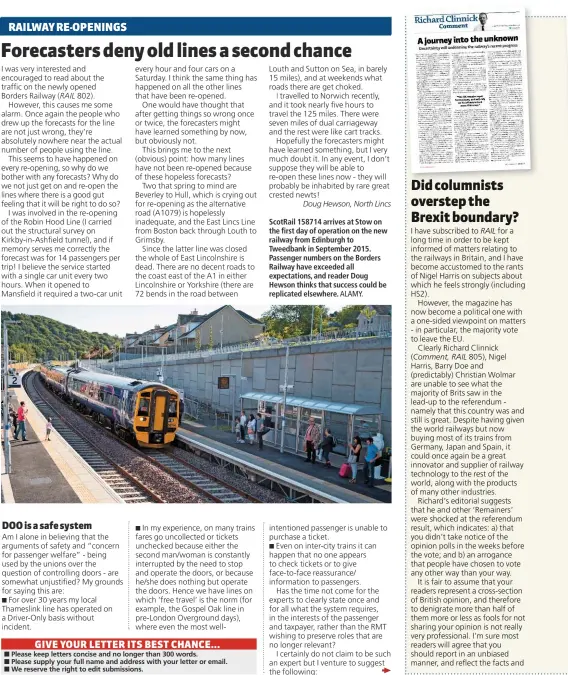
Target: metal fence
[102,367]
[196,410]
[384,331]
[193,408]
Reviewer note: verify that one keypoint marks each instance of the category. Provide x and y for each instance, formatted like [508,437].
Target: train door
[160,403]
[123,408]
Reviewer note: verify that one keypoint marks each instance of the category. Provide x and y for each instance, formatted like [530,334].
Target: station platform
[287,470]
[48,472]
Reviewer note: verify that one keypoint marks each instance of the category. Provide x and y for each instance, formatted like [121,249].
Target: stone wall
[348,371]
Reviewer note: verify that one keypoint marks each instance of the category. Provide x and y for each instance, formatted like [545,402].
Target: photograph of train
[165,404]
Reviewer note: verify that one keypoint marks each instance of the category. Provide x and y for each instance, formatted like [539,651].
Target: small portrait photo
[481,24]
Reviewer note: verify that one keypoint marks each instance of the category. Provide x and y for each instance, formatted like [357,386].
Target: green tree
[348,316]
[368,313]
[284,321]
[197,340]
[37,337]
[210,337]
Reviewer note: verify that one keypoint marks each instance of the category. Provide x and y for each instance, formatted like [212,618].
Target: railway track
[127,487]
[212,488]
[216,488]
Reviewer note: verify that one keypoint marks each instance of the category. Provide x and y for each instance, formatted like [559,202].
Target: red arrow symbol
[386,670]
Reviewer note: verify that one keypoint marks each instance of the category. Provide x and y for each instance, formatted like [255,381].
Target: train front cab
[156,417]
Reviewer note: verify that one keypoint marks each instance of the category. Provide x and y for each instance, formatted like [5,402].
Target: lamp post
[284,388]
[160,372]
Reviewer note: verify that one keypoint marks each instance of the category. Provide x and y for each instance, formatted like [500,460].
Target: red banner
[65,644]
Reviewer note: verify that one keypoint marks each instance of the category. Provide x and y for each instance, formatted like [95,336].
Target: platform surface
[35,478]
[288,465]
[49,472]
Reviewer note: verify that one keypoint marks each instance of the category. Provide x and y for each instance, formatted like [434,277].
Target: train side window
[172,410]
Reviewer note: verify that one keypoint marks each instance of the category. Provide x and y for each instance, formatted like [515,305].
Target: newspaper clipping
[468,92]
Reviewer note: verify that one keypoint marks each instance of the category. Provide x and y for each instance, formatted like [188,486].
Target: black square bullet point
[4,599]
[6,662]
[137,528]
[6,669]
[270,545]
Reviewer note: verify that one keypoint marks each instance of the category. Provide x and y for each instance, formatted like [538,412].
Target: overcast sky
[118,320]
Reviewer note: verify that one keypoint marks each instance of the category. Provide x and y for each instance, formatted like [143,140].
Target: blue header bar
[197,26]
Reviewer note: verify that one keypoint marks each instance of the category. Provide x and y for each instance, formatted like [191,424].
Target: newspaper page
[468,92]
[274,401]
[200,232]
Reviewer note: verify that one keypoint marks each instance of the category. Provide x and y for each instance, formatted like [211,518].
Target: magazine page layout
[282,338]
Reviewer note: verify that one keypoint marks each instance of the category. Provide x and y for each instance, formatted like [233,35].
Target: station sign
[14,380]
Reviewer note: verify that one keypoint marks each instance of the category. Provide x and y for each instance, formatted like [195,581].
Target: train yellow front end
[156,416]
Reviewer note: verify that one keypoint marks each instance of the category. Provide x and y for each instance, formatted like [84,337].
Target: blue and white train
[148,412]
